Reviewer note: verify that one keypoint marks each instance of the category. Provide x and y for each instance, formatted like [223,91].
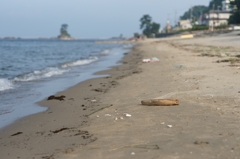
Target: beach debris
[56,97]
[70,150]
[137,71]
[94,100]
[48,157]
[160,102]
[154,59]
[146,60]
[108,115]
[82,133]
[201,143]
[18,133]
[113,83]
[170,126]
[97,116]
[207,54]
[127,115]
[227,134]
[162,123]
[121,118]
[100,90]
[133,153]
[87,136]
[59,130]
[231,60]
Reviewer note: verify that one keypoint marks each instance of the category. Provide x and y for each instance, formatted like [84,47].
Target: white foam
[5,84]
[105,52]
[80,62]
[39,74]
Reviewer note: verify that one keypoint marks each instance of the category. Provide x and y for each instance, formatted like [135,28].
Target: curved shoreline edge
[204,125]
[72,113]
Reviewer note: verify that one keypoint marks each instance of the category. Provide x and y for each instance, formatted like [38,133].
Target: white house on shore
[217,17]
[213,18]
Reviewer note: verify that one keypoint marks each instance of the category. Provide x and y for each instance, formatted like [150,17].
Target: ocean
[32,70]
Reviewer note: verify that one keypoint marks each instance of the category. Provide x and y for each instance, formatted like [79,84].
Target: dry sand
[91,121]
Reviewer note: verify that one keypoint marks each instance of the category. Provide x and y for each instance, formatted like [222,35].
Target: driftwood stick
[160,102]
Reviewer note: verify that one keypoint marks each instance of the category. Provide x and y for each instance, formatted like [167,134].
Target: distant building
[203,19]
[168,28]
[185,24]
[217,17]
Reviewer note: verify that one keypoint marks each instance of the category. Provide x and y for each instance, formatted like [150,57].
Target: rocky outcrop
[60,37]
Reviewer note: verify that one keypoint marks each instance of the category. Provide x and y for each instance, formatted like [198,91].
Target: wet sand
[91,121]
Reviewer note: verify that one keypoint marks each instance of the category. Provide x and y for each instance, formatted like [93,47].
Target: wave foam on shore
[79,62]
[52,71]
[39,74]
[5,84]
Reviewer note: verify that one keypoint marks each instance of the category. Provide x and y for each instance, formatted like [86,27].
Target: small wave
[39,74]
[105,52]
[5,84]
[80,62]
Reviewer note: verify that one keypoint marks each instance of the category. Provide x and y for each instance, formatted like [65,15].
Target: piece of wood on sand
[160,102]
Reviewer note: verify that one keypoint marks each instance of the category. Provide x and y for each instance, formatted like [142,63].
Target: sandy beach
[104,118]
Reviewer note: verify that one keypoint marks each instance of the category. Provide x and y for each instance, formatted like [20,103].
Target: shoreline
[204,125]
[43,125]
[26,94]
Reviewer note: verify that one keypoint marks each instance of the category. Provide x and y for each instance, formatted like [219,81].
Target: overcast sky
[85,18]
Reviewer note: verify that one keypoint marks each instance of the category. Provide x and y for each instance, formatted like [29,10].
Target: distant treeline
[198,10]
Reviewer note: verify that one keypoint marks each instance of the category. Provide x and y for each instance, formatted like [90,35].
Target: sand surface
[91,122]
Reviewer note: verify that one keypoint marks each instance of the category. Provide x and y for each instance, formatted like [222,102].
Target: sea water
[31,70]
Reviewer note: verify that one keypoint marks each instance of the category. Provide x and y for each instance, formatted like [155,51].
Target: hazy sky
[86,18]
